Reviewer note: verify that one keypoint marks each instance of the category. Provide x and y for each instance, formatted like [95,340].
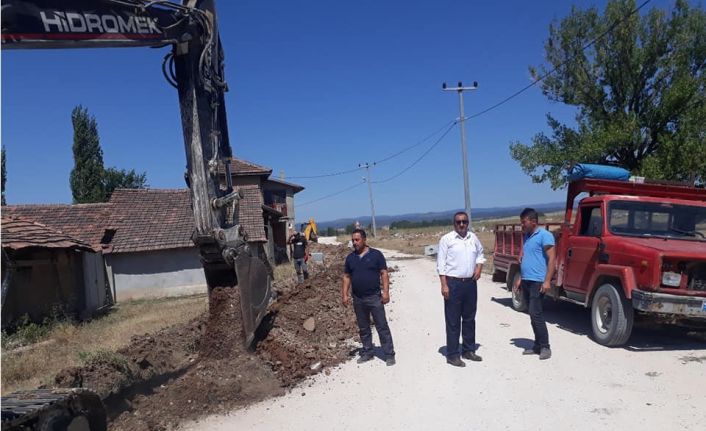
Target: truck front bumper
[664,303]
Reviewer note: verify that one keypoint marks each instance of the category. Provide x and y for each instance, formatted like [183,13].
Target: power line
[332,194]
[392,156]
[453,123]
[436,132]
[449,126]
[332,174]
[419,159]
[541,78]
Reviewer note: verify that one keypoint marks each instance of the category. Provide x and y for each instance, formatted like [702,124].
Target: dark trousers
[533,298]
[460,313]
[300,268]
[364,307]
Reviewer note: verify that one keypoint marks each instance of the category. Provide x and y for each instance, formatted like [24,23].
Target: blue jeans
[533,298]
[460,313]
[364,307]
[300,268]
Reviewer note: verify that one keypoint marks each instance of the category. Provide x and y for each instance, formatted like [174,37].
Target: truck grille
[697,277]
[698,285]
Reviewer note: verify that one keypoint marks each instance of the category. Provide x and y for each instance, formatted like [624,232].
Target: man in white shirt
[459,263]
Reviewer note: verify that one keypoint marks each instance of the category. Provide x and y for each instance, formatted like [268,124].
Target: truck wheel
[518,299]
[611,316]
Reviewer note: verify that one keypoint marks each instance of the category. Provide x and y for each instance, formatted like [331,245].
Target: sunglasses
[461,221]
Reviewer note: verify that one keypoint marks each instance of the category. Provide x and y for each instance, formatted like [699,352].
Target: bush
[26,332]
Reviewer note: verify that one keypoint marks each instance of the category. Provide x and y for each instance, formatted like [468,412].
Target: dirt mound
[295,351]
[188,371]
[224,331]
[147,356]
[209,387]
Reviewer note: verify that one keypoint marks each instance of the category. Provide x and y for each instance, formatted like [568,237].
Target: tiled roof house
[146,234]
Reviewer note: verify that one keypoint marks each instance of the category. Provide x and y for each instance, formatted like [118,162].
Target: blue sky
[315,87]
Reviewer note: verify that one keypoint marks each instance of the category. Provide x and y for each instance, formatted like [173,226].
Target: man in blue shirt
[364,268]
[537,269]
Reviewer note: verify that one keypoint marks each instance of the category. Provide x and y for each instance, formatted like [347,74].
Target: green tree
[87,174]
[639,91]
[122,179]
[3,177]
[90,181]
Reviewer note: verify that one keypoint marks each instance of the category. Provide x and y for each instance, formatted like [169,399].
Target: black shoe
[365,358]
[455,361]
[471,356]
[532,351]
[545,353]
[390,361]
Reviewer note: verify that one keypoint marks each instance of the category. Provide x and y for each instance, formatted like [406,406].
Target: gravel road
[656,382]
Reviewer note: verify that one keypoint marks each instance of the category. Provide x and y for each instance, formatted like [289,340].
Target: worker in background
[537,269]
[364,268]
[299,251]
[459,264]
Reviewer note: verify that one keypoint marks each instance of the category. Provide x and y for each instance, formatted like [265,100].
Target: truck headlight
[671,278]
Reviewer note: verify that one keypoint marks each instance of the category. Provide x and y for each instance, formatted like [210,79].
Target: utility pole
[367,167]
[464,148]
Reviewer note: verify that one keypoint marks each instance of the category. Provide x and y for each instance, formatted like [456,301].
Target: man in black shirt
[297,248]
[364,268]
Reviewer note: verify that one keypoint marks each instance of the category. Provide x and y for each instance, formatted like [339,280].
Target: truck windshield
[634,218]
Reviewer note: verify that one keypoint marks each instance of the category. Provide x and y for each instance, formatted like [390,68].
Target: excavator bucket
[254,283]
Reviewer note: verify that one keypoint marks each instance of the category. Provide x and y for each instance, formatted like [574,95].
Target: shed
[47,272]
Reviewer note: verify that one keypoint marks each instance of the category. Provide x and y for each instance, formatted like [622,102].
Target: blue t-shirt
[365,272]
[534,257]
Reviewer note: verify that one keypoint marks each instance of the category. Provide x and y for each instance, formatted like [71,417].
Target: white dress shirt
[458,256]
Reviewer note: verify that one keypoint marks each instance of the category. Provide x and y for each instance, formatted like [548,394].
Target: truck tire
[611,316]
[518,299]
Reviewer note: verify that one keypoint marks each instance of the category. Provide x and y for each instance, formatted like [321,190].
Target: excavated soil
[188,371]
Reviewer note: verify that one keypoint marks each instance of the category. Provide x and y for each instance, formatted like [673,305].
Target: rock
[310,324]
[316,366]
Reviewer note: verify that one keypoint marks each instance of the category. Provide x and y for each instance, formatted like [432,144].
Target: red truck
[628,247]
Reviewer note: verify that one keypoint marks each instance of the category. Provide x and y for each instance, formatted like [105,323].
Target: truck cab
[627,247]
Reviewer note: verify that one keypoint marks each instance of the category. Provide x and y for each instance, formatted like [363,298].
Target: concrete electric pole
[464,148]
[367,167]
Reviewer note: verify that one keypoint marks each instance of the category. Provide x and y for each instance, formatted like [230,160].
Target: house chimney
[281,174]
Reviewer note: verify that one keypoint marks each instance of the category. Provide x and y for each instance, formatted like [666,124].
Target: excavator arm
[194,66]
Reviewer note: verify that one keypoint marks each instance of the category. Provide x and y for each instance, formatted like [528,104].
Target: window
[657,219]
[591,221]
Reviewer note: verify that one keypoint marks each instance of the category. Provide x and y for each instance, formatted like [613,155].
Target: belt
[459,279]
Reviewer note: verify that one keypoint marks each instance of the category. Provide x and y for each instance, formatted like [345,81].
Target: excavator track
[53,409]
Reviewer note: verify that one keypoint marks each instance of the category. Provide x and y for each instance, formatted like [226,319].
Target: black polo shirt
[299,246]
[365,272]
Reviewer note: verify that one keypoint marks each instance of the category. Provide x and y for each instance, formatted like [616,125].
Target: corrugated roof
[19,233]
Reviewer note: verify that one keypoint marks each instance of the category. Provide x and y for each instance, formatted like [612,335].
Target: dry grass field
[69,344]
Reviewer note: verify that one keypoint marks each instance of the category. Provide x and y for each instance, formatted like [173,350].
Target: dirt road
[657,382]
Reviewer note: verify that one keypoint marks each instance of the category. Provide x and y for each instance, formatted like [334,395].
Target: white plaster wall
[156,273]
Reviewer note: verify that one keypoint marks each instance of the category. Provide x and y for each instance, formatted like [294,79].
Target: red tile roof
[241,167]
[296,188]
[150,219]
[250,213]
[143,219]
[84,222]
[18,233]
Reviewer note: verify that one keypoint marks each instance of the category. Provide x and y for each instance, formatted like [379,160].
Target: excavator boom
[194,66]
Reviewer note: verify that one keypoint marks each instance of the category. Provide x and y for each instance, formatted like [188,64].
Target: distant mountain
[477,214]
